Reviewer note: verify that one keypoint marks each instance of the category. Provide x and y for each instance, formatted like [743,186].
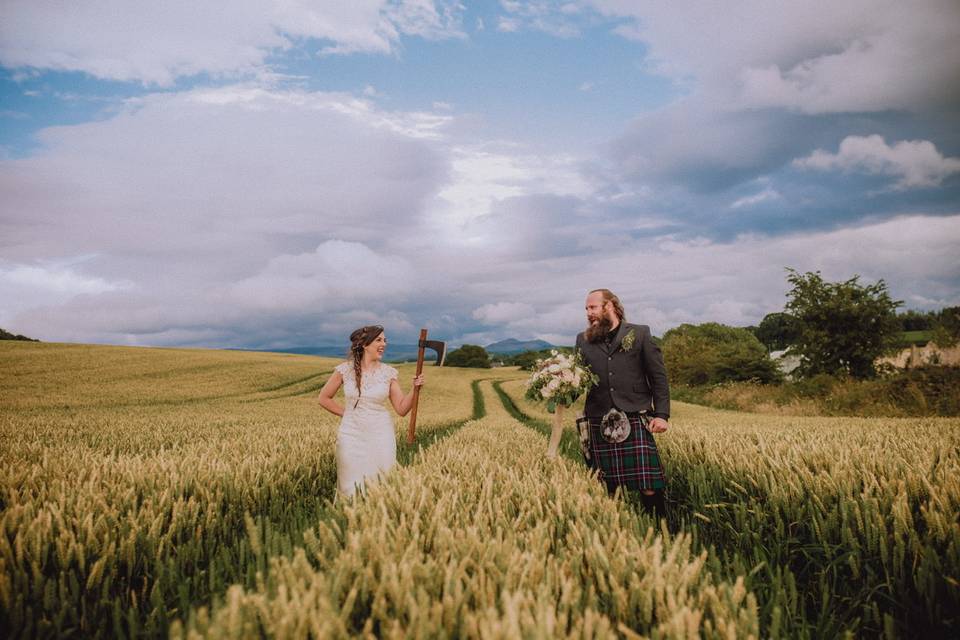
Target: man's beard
[599,330]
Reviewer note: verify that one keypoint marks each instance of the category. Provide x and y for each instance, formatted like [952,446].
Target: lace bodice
[376,386]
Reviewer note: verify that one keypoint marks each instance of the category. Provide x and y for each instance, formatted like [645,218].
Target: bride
[366,441]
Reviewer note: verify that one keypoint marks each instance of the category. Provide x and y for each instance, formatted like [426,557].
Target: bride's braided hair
[359,339]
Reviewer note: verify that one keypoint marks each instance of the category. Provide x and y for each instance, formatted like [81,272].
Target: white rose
[554,368]
[546,392]
[576,379]
[567,376]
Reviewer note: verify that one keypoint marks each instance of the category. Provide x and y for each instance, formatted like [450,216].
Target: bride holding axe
[366,440]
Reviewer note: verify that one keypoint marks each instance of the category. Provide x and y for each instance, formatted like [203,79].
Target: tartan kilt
[631,464]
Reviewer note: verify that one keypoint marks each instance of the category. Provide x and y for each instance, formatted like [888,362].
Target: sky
[252,174]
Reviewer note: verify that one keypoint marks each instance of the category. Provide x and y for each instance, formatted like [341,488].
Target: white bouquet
[560,380]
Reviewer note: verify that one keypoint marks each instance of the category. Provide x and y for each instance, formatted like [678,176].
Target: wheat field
[190,493]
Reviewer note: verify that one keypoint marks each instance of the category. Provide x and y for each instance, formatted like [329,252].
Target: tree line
[836,329]
[832,328]
[6,335]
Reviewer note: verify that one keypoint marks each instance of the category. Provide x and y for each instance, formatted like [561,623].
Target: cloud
[840,82]
[539,15]
[507,25]
[317,280]
[815,57]
[664,283]
[484,177]
[915,163]
[232,165]
[803,78]
[23,286]
[502,312]
[55,279]
[291,301]
[235,209]
[767,195]
[156,43]
[271,215]
[705,149]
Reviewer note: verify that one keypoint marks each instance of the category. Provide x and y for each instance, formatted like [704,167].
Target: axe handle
[412,424]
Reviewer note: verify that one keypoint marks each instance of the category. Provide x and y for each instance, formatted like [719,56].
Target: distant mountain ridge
[394,352]
[408,352]
[512,346]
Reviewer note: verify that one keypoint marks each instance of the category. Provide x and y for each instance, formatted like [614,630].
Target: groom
[632,390]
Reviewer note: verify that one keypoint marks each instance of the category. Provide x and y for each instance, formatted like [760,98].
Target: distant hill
[408,352]
[6,335]
[512,346]
[394,352]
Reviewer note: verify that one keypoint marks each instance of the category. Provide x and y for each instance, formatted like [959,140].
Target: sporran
[615,426]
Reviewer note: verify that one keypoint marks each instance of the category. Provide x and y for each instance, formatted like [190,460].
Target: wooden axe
[441,349]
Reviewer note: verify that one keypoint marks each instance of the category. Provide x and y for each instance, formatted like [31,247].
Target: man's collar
[617,338]
[612,334]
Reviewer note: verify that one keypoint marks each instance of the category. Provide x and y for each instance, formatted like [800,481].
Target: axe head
[439,347]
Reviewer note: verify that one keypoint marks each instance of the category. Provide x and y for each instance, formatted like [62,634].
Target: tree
[842,327]
[912,320]
[711,353]
[6,335]
[526,360]
[946,327]
[776,331]
[469,355]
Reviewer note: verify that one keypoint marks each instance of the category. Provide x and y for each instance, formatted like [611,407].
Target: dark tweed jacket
[633,379]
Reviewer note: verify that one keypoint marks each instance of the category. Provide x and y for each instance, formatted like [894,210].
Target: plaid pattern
[631,464]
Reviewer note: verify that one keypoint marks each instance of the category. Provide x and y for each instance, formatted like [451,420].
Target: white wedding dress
[366,441]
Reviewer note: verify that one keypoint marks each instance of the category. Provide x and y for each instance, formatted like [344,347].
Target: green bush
[469,355]
[527,360]
[818,386]
[925,391]
[712,353]
[938,387]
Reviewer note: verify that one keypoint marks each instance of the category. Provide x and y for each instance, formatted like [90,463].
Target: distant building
[930,353]
[786,363]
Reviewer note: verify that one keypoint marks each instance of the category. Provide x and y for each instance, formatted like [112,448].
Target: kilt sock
[655,504]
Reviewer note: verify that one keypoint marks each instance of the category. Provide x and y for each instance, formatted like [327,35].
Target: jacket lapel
[617,339]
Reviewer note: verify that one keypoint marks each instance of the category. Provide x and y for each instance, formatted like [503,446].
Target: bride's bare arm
[403,403]
[328,391]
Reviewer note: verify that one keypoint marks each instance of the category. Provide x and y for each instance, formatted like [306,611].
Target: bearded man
[629,404]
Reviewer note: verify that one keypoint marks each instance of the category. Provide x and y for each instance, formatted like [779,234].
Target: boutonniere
[628,340]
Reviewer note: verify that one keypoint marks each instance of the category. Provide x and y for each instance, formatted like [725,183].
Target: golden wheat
[143,486]
[836,523]
[483,537]
[123,502]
